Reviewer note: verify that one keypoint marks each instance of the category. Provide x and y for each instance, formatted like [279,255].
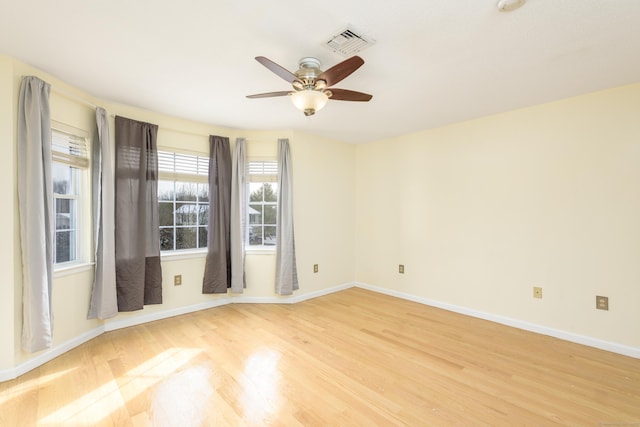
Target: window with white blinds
[262,184]
[183,198]
[262,171]
[70,155]
[183,167]
[69,149]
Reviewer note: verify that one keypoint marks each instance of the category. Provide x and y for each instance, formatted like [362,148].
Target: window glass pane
[203,192]
[186,214]
[203,214]
[165,190]
[166,213]
[255,235]
[270,214]
[255,191]
[63,178]
[269,235]
[65,250]
[183,223]
[65,218]
[186,238]
[270,191]
[186,191]
[255,214]
[202,236]
[166,239]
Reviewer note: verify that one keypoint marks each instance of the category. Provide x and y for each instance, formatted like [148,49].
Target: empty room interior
[320,214]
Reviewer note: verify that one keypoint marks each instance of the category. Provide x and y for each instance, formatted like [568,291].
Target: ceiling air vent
[348,42]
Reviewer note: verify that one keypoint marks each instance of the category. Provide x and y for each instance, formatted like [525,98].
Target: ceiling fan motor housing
[308,74]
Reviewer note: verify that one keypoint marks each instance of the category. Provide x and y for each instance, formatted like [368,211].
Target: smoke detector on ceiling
[348,42]
[510,5]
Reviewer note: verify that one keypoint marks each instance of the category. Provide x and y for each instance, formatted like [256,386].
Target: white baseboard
[113,325]
[50,354]
[520,324]
[292,299]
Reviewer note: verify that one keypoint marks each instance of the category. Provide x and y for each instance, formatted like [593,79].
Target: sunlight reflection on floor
[181,399]
[260,382]
[102,401]
[25,387]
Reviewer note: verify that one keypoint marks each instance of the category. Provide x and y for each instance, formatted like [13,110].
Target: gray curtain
[238,210]
[137,243]
[217,270]
[35,199]
[286,272]
[104,303]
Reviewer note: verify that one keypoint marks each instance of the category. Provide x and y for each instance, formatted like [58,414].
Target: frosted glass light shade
[309,101]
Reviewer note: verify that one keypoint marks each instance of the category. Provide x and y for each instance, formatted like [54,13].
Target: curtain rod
[91,105]
[113,116]
[71,97]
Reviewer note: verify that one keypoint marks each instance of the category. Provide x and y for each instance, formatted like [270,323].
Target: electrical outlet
[537,292]
[401,268]
[315,268]
[177,280]
[602,303]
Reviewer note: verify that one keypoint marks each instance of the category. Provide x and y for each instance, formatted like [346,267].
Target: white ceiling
[435,61]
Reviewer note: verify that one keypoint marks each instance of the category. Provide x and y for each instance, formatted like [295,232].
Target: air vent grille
[348,42]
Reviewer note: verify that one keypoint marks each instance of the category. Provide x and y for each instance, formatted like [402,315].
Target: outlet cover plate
[177,280]
[401,268]
[315,268]
[537,292]
[602,303]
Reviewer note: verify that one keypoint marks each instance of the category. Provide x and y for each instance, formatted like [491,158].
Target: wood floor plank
[351,358]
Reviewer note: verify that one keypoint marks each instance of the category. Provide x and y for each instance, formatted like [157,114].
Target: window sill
[260,251]
[180,255]
[72,269]
[191,254]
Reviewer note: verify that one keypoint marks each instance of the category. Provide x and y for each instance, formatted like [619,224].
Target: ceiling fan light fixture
[309,101]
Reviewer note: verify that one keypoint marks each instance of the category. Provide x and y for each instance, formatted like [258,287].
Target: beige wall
[480,212]
[323,235]
[9,231]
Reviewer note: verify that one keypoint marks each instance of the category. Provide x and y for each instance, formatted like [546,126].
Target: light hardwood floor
[351,358]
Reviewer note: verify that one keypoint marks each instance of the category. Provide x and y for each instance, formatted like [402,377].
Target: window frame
[68,137]
[181,173]
[252,176]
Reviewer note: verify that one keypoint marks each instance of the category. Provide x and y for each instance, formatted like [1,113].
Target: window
[262,182]
[70,161]
[183,198]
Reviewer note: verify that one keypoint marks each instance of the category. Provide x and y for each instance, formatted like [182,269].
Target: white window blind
[183,167]
[69,149]
[262,171]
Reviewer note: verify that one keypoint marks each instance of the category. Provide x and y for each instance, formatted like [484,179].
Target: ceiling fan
[312,86]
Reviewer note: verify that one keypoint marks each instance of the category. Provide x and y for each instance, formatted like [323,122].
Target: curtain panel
[36,205]
[104,303]
[137,240]
[286,271]
[217,271]
[238,215]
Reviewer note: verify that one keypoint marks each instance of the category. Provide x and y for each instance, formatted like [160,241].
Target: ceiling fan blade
[269,94]
[349,95]
[340,71]
[277,69]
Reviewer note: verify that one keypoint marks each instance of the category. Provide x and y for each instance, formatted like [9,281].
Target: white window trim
[182,254]
[71,268]
[258,249]
[177,254]
[84,236]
